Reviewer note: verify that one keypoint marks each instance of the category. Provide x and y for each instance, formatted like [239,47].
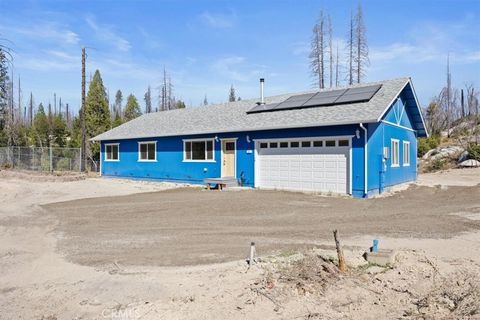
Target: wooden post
[342,266]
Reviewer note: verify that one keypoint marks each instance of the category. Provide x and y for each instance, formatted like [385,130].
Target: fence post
[80,161]
[51,160]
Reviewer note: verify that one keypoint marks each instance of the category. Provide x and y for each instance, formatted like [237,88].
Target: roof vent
[262,97]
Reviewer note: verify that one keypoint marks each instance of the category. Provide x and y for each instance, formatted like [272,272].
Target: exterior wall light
[357,134]
[248,139]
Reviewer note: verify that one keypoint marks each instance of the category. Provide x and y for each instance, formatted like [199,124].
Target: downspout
[365,141]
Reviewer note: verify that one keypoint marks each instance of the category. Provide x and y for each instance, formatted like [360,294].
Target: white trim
[405,164]
[418,105]
[394,165]
[401,114]
[105,153]
[199,140]
[234,140]
[365,159]
[416,101]
[398,126]
[306,139]
[139,153]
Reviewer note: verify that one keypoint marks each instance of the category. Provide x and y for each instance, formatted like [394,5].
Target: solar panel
[263,108]
[294,101]
[362,94]
[324,98]
[319,99]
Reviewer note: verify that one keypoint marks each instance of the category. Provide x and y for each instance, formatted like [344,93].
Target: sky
[207,46]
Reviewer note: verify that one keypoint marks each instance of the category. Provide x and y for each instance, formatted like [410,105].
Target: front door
[228,158]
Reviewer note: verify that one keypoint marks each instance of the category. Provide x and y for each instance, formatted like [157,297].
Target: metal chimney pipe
[262,97]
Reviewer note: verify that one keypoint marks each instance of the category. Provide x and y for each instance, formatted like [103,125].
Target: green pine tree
[132,109]
[180,105]
[41,127]
[118,120]
[97,113]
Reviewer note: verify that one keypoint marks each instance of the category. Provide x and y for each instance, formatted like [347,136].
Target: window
[273,145]
[147,151]
[198,150]
[263,145]
[318,143]
[395,162]
[111,152]
[406,153]
[306,144]
[283,144]
[343,143]
[294,144]
[330,143]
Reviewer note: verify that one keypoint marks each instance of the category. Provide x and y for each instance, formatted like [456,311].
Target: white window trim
[139,153]
[407,144]
[105,155]
[199,140]
[395,165]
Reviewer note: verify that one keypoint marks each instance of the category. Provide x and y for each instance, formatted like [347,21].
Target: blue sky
[209,45]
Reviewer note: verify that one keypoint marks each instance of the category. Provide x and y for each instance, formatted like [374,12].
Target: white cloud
[45,30]
[233,68]
[218,20]
[105,33]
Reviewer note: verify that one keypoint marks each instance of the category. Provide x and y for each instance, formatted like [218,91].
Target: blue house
[358,140]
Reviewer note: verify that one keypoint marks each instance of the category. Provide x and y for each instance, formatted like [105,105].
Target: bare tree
[337,72]
[166,96]
[330,49]
[361,46]
[318,49]
[148,100]
[350,49]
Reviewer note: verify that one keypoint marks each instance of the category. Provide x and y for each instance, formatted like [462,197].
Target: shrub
[426,144]
[474,151]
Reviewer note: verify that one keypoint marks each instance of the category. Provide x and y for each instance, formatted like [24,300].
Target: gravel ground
[191,226]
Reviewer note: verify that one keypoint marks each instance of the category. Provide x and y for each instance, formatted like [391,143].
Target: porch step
[224,181]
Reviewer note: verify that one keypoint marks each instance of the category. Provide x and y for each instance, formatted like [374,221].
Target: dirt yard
[90,248]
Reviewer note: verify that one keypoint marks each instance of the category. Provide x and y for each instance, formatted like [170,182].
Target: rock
[463,156]
[429,154]
[469,163]
[451,151]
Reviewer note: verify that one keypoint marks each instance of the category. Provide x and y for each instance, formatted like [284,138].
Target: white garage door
[316,164]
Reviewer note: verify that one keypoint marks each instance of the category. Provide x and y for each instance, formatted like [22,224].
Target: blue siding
[170,165]
[380,176]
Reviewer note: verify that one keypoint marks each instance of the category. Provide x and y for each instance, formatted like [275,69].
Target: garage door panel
[324,170]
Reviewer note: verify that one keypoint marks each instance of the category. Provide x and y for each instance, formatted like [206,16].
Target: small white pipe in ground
[365,139]
[252,254]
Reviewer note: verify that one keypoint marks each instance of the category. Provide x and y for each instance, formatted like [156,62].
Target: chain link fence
[41,159]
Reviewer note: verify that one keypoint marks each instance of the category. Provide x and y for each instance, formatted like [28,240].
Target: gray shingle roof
[232,116]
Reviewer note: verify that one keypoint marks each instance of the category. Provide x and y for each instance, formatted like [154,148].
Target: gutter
[365,141]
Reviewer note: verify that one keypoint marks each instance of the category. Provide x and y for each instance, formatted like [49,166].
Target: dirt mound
[413,288]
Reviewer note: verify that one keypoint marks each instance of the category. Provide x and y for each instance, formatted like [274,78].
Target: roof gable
[405,111]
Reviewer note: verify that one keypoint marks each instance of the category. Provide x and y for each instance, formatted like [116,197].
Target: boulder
[430,153]
[448,152]
[469,163]
[463,156]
